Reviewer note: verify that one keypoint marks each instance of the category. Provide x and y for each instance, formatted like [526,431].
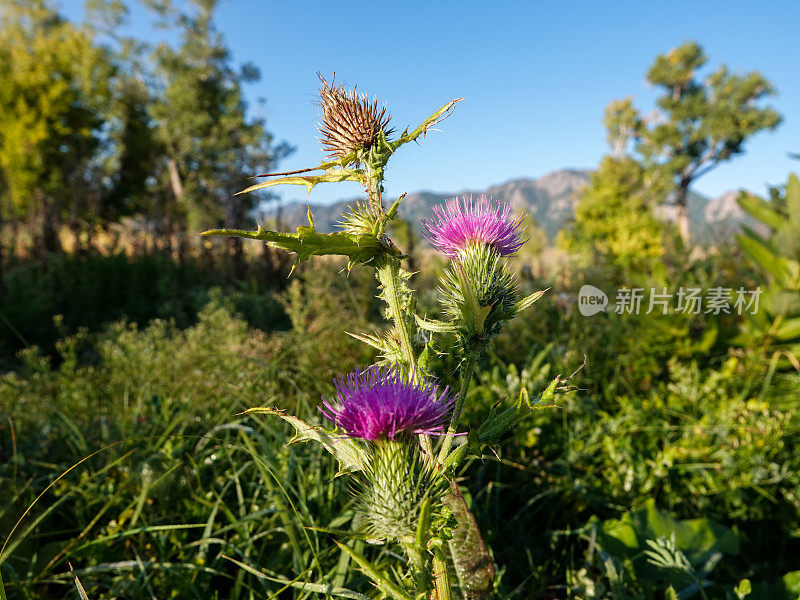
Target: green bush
[41,303]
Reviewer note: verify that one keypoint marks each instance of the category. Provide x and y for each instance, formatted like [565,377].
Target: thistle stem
[375,186]
[458,407]
[388,275]
[416,561]
[441,578]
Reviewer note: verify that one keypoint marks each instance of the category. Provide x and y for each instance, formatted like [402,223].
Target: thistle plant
[393,425]
[377,403]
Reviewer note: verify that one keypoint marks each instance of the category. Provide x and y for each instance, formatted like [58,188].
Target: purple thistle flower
[463,223]
[378,402]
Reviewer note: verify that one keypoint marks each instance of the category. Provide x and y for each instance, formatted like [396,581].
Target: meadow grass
[151,485]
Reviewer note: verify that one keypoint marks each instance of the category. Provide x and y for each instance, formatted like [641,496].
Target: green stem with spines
[416,560]
[467,370]
[388,275]
[441,577]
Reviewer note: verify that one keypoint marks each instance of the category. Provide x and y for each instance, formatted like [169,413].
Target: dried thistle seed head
[349,121]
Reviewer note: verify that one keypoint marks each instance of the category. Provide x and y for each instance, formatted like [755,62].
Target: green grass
[130,457]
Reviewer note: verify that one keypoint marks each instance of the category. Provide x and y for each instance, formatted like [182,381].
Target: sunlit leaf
[347,451]
[308,242]
[760,210]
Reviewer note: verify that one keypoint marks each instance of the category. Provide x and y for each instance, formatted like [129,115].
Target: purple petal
[458,224]
[378,402]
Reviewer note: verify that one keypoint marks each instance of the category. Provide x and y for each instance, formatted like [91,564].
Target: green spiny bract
[360,219]
[395,485]
[479,294]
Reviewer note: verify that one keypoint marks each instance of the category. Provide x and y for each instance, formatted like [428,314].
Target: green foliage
[38,305]
[697,441]
[785,588]
[52,106]
[96,126]
[614,219]
[700,443]
[699,124]
[647,552]
[632,534]
[181,482]
[650,551]
[210,144]
[777,323]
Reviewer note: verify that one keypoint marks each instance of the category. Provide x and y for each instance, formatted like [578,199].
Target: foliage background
[128,348]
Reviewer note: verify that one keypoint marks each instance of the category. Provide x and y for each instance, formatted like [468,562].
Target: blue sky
[535,76]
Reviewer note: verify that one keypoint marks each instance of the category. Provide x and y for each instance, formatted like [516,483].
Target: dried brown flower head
[349,121]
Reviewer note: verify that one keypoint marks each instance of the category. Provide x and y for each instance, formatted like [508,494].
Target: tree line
[97,126]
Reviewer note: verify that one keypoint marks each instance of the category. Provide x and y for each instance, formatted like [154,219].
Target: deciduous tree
[699,123]
[52,101]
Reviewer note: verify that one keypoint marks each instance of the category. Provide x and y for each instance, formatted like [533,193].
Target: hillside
[549,199]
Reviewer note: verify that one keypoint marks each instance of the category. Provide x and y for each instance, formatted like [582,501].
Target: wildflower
[462,224]
[349,121]
[379,403]
[479,294]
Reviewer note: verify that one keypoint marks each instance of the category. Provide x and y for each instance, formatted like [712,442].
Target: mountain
[549,199]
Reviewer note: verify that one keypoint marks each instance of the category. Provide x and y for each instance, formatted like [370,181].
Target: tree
[210,145]
[52,98]
[699,124]
[614,219]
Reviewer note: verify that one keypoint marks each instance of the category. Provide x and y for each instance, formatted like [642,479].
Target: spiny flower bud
[350,121]
[379,403]
[393,489]
[461,224]
[359,219]
[479,294]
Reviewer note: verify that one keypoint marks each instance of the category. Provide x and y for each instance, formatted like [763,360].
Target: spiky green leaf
[426,125]
[788,329]
[497,424]
[528,301]
[760,210]
[347,451]
[765,255]
[310,181]
[435,325]
[308,242]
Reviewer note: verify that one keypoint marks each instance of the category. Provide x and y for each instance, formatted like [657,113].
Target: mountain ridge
[549,199]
